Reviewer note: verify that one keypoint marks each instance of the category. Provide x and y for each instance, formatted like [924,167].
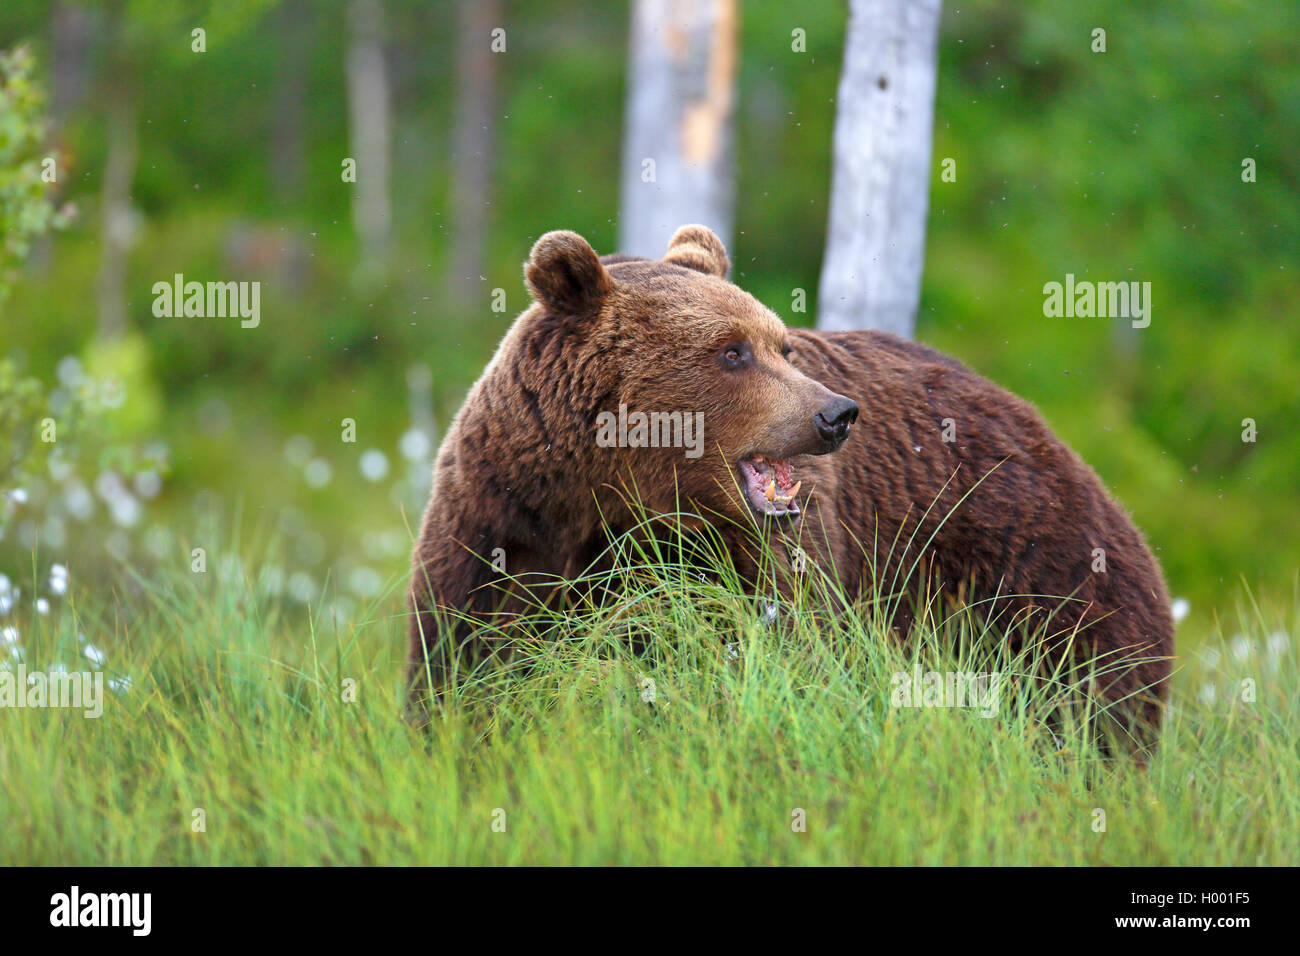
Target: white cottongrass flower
[318,473]
[94,655]
[298,450]
[147,484]
[78,500]
[367,582]
[301,587]
[1179,608]
[42,606]
[415,445]
[374,465]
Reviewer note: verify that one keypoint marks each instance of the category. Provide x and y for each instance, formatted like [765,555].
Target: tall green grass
[716,736]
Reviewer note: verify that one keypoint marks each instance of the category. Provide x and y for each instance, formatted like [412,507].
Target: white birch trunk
[119,222]
[678,161]
[370,127]
[875,243]
[475,145]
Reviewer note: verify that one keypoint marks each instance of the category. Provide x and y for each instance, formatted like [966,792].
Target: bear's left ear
[698,248]
[565,274]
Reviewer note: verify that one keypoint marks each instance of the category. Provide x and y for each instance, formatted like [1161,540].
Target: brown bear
[860,452]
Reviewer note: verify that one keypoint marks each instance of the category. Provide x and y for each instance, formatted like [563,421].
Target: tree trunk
[475,139]
[293,24]
[369,112]
[117,224]
[875,244]
[72,27]
[117,218]
[678,161]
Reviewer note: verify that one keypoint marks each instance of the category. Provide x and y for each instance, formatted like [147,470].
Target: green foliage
[1123,165]
[20,404]
[26,212]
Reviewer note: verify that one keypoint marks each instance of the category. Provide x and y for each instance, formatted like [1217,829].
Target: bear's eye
[787,350]
[735,355]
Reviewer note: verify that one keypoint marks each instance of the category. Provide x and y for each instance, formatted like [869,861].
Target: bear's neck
[536,422]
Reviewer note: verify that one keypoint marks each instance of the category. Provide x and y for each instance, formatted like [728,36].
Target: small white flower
[69,371]
[366,582]
[120,685]
[94,655]
[19,496]
[374,465]
[318,473]
[1179,608]
[298,450]
[42,606]
[1278,643]
[9,635]
[647,689]
[148,484]
[1241,648]
[126,509]
[1208,693]
[415,445]
[301,587]
[79,501]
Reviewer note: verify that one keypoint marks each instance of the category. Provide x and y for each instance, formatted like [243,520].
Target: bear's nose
[834,419]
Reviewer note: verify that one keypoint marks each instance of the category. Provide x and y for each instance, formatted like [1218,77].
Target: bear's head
[682,378]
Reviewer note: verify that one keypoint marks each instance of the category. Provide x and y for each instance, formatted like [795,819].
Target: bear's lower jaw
[769,485]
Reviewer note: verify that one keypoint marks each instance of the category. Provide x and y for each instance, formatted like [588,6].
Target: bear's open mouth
[769,485]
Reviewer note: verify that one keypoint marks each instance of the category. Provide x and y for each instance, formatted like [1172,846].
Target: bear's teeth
[795,490]
[770,492]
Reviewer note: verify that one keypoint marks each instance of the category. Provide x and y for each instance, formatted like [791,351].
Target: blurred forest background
[175,433]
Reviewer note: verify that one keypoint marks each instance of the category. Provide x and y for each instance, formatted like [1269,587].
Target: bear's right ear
[565,274]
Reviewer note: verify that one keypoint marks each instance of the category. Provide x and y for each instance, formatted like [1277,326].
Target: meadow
[241,729]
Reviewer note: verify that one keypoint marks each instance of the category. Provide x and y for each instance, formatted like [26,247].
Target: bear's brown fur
[1002,512]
